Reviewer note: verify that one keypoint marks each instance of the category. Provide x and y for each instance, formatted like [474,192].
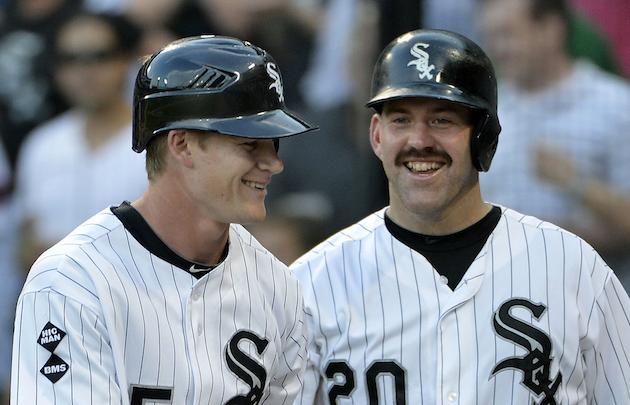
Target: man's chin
[425,206]
[253,217]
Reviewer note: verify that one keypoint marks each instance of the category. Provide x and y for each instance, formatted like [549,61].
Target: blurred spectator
[152,14]
[328,82]
[9,274]
[73,165]
[606,202]
[557,115]
[336,166]
[453,15]
[27,95]
[585,39]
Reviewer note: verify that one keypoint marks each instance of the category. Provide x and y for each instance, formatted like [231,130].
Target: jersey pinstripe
[537,319]
[114,324]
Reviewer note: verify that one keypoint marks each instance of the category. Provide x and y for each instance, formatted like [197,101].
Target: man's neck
[462,213]
[181,226]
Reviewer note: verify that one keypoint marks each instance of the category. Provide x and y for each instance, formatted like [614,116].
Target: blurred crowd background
[67,69]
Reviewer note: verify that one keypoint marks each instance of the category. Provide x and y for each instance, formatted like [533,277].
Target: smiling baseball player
[442,298]
[166,299]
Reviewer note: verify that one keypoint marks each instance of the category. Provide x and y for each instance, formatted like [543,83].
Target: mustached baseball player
[441,297]
[165,299]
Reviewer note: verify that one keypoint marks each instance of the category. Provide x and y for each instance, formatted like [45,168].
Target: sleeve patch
[55,368]
[50,337]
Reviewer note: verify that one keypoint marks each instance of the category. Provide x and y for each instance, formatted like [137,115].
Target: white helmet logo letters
[422,61]
[272,71]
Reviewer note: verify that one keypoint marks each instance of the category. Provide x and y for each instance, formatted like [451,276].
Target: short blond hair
[155,159]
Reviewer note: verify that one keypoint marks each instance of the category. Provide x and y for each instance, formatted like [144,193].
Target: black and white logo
[422,61]
[536,365]
[272,71]
[50,337]
[55,368]
[247,368]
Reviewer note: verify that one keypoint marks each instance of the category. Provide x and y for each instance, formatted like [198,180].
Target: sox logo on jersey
[246,368]
[537,363]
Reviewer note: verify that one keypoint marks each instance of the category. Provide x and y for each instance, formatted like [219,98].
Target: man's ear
[375,134]
[178,142]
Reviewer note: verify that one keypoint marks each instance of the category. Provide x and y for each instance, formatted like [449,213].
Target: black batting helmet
[443,65]
[211,83]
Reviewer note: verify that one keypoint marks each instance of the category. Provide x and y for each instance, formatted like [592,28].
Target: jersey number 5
[141,393]
[340,369]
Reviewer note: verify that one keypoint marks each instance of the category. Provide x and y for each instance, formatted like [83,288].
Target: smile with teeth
[423,166]
[254,185]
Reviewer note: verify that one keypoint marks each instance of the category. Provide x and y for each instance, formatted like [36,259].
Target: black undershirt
[450,255]
[142,232]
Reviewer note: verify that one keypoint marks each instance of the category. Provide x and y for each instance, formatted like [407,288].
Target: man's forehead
[435,104]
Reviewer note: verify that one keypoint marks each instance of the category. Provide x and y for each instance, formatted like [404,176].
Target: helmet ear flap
[484,141]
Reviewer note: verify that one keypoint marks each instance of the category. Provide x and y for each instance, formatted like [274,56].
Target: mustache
[424,153]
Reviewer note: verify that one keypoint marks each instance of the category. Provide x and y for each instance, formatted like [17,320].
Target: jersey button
[196,295]
[443,280]
[452,396]
[199,330]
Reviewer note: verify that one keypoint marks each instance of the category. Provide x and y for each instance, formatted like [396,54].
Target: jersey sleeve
[312,377]
[288,379]
[60,353]
[314,385]
[608,360]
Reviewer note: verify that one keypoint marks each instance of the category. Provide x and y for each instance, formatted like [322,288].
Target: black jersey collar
[142,232]
[466,237]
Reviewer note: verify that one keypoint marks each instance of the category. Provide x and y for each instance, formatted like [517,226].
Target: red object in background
[611,17]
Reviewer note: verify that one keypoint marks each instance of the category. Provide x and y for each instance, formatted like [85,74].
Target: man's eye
[441,122]
[400,120]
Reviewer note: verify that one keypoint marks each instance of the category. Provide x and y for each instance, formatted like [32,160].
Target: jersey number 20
[377,369]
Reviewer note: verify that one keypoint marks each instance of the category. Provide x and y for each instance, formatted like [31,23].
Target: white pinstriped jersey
[101,320]
[538,318]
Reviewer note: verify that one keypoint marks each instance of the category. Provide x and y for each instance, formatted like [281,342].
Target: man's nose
[269,159]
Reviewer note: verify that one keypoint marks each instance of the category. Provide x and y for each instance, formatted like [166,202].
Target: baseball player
[441,297]
[165,299]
